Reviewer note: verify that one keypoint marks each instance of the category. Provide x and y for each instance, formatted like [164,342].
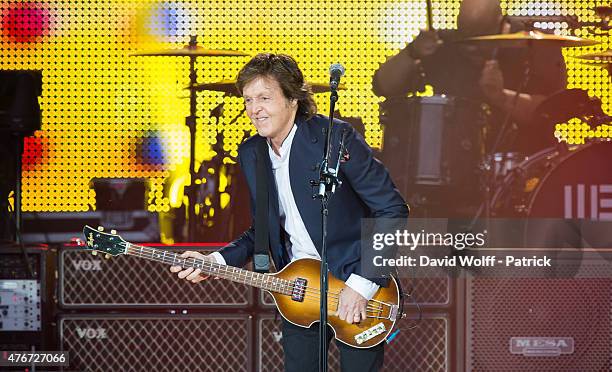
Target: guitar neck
[212,268]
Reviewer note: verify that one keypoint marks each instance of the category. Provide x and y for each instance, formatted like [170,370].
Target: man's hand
[425,44]
[351,306]
[492,83]
[189,273]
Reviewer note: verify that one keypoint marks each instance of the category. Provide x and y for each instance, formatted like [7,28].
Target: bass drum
[563,197]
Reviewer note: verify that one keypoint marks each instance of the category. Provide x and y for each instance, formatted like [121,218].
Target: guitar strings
[287,285]
[243,274]
[312,293]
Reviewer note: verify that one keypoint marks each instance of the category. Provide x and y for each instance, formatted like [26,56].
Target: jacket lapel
[306,153]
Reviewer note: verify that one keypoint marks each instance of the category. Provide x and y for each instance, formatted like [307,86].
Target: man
[480,73]
[281,107]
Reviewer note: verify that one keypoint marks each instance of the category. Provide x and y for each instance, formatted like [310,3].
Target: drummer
[484,74]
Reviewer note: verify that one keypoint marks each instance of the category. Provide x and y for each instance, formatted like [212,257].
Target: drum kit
[193,51]
[198,192]
[449,157]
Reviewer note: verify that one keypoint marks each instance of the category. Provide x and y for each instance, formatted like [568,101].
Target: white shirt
[299,245]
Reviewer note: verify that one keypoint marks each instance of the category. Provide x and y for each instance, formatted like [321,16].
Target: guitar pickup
[299,289]
[370,333]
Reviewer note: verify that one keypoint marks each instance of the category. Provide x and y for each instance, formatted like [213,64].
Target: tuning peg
[94,253]
[100,228]
[107,256]
[114,232]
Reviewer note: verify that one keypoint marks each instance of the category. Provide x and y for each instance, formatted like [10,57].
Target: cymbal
[190,51]
[229,87]
[603,58]
[226,86]
[525,38]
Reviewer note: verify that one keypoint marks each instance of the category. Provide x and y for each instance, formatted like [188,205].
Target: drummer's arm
[396,75]
[525,105]
[492,85]
[549,71]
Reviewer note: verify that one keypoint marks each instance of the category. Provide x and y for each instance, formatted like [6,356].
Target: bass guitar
[294,288]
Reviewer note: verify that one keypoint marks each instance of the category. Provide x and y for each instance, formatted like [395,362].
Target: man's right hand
[425,44]
[191,274]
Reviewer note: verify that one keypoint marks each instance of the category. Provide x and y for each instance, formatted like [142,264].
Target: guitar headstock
[99,241]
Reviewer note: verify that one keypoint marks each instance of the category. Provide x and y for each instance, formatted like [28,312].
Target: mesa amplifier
[161,343]
[87,282]
[539,324]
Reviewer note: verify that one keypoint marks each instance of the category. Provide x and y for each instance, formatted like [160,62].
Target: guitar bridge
[393,312]
[299,289]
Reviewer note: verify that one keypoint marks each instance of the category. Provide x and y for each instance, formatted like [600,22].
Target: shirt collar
[286,146]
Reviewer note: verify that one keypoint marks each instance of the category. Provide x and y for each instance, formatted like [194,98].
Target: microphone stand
[327,183]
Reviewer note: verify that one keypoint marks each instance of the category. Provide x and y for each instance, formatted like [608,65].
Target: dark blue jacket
[367,191]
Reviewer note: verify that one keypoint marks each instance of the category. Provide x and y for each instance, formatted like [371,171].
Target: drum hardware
[192,50]
[503,163]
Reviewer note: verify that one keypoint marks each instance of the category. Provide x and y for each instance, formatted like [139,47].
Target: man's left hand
[351,306]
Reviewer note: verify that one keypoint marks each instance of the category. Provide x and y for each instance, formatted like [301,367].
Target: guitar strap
[261,260]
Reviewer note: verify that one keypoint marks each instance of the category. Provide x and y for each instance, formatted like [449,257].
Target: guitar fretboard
[212,268]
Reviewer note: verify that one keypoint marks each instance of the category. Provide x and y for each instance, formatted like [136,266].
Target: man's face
[268,108]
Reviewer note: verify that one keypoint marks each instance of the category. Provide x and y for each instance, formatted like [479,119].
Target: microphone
[335,73]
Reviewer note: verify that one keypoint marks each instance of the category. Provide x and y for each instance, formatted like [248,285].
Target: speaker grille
[156,343]
[423,348]
[526,307]
[427,290]
[87,281]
